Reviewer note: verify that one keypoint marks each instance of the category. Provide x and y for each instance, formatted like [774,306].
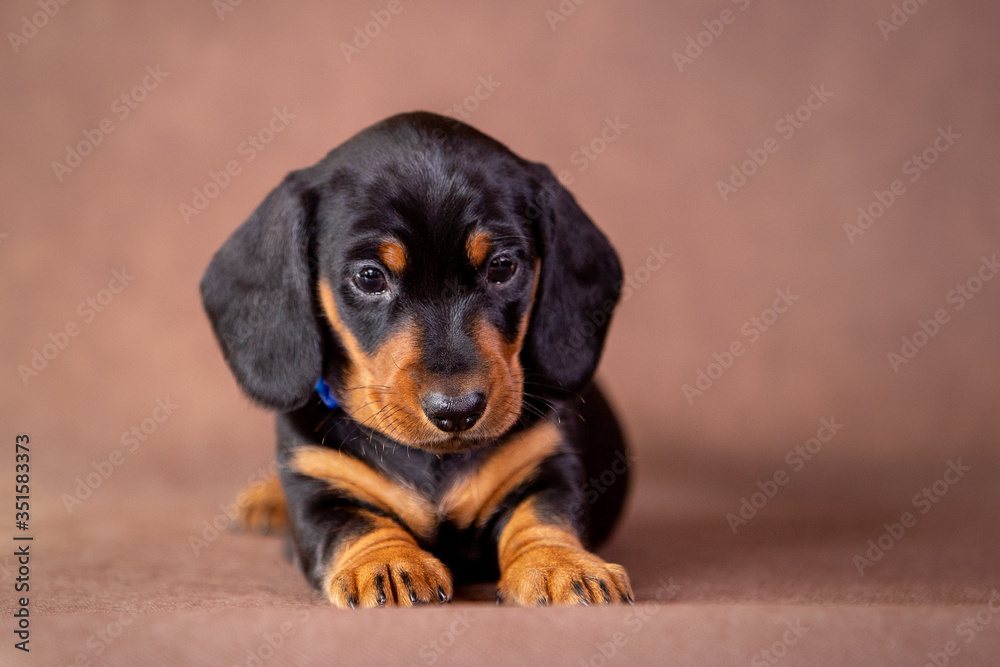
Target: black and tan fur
[455,298]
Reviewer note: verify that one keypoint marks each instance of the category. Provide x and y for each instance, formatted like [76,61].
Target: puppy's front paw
[391,573]
[563,575]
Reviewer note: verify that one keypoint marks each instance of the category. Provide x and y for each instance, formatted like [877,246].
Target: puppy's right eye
[370,280]
[500,270]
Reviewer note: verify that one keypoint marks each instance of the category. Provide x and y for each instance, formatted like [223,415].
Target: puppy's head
[427,273]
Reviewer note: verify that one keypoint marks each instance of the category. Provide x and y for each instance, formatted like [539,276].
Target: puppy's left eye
[500,270]
[371,280]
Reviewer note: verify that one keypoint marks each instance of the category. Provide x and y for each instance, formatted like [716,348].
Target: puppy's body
[454,298]
[590,444]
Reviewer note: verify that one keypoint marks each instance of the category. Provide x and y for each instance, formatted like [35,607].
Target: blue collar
[325,395]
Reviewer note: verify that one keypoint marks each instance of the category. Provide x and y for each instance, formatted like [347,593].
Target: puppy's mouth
[445,435]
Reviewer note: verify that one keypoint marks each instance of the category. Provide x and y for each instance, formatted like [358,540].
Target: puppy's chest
[424,490]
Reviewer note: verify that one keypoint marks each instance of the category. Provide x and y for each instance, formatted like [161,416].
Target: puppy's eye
[500,270]
[370,280]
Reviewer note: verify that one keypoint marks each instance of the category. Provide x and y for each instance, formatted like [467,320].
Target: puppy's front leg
[354,532]
[377,563]
[543,562]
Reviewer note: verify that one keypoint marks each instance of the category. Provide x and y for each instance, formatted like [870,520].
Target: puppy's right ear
[258,294]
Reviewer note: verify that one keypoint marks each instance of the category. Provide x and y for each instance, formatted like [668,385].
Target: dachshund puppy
[424,310]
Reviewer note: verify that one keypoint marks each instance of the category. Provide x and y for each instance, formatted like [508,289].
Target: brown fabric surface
[122,566]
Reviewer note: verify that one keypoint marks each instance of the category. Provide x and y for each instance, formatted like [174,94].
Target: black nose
[454,413]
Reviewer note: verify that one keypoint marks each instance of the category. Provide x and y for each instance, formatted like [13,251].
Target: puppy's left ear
[258,294]
[578,288]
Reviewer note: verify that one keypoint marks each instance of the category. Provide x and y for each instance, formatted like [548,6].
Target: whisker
[385,418]
[391,426]
[376,416]
[535,383]
[367,386]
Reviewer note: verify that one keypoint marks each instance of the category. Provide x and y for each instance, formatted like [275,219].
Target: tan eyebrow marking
[393,255]
[478,246]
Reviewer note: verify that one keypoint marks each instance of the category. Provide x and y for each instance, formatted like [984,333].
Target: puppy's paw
[563,575]
[389,575]
[261,508]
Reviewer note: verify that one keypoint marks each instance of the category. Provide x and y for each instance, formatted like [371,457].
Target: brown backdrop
[806,110]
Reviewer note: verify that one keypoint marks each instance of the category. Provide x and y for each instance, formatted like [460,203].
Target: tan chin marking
[354,478]
[475,498]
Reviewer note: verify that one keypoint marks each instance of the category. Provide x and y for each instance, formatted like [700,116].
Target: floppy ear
[578,288]
[257,292]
